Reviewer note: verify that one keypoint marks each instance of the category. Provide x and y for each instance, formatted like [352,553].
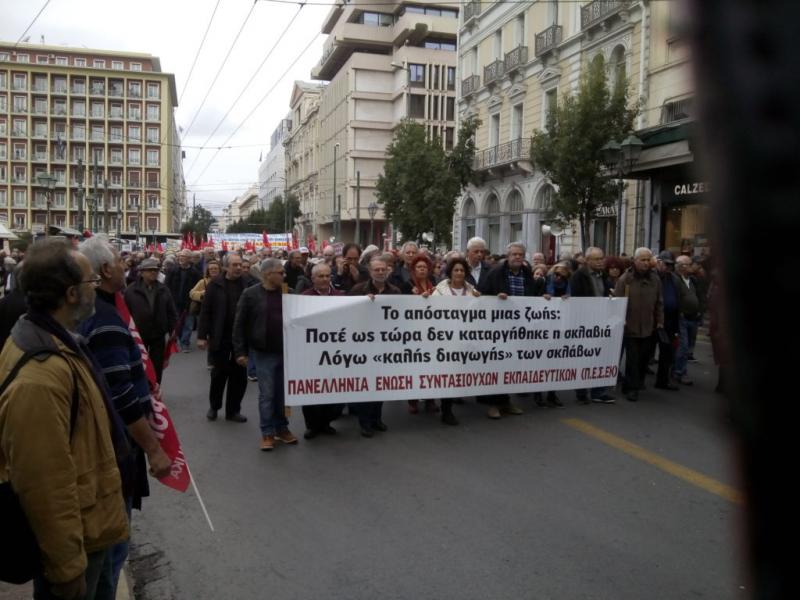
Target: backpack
[20,558]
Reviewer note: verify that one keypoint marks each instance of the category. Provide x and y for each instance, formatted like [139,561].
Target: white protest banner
[351,349]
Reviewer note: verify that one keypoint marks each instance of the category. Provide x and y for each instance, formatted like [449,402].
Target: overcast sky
[172,30]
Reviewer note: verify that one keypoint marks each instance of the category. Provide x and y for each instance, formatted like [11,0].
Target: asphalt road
[526,507]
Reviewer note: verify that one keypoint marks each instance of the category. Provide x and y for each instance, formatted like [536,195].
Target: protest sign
[352,349]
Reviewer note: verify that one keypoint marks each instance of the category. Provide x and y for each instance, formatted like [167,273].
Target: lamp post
[79,179]
[372,209]
[620,159]
[119,221]
[49,182]
[337,208]
[105,204]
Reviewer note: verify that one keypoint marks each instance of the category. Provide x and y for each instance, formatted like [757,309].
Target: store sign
[606,212]
[689,189]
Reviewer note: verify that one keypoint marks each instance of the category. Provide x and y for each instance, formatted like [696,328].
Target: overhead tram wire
[260,102]
[36,18]
[247,85]
[221,67]
[441,2]
[199,49]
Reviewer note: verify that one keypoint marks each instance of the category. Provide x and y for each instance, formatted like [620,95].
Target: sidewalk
[25,592]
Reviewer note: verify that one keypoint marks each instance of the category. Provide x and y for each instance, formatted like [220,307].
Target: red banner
[160,420]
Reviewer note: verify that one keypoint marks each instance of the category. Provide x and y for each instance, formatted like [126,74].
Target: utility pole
[358,208]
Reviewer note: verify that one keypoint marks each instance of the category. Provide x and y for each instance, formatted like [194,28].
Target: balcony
[115,92]
[507,158]
[470,85]
[349,38]
[597,12]
[472,10]
[493,72]
[412,28]
[40,157]
[98,90]
[59,89]
[548,40]
[515,59]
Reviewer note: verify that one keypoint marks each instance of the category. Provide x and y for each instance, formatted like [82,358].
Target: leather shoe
[211,415]
[329,430]
[633,396]
[668,386]
[367,432]
[449,418]
[380,426]
[310,434]
[493,413]
[237,418]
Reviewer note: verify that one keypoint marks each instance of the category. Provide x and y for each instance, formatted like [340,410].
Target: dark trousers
[369,413]
[637,354]
[666,358]
[155,348]
[319,416]
[99,584]
[226,371]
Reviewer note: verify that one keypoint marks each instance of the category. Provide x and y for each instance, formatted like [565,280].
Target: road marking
[676,470]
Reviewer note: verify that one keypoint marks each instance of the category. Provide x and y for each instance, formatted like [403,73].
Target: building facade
[101,124]
[272,169]
[384,63]
[517,61]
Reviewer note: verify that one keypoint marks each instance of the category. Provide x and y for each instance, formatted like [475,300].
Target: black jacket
[211,326]
[156,322]
[496,282]
[180,282]
[259,322]
[580,284]
[485,270]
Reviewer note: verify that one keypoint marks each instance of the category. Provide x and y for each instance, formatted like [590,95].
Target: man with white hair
[538,259]
[645,315]
[402,270]
[476,253]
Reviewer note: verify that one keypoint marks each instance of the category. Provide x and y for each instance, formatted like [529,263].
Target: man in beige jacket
[64,474]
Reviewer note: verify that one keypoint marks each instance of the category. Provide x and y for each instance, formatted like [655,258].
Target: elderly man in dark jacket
[644,316]
[180,282]
[215,332]
[153,311]
[258,333]
[590,281]
[510,278]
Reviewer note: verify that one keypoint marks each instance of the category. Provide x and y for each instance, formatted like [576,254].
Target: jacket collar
[27,336]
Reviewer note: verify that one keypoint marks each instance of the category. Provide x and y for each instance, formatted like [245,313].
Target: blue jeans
[269,370]
[98,579]
[251,366]
[686,328]
[119,552]
[186,332]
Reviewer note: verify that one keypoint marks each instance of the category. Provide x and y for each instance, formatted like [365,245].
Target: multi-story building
[247,202]
[517,60]
[385,62]
[302,154]
[272,169]
[101,124]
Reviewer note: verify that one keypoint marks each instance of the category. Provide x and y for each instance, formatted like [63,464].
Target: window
[376,19]
[39,83]
[450,114]
[416,74]
[449,139]
[59,107]
[60,199]
[80,62]
[136,66]
[20,151]
[677,110]
[62,61]
[20,82]
[23,58]
[519,34]
[78,153]
[135,179]
[115,134]
[435,107]
[3,199]
[3,80]
[116,156]
[550,105]
[152,157]
[115,112]
[134,133]
[152,201]
[4,56]
[440,45]
[152,179]
[135,112]
[135,89]
[152,223]
[20,128]
[133,200]
[20,198]
[99,63]
[134,156]
[20,174]
[41,59]
[3,151]
[117,65]
[416,106]
[98,133]
[516,123]
[153,90]
[78,86]
[451,78]
[493,210]
[79,108]
[98,109]
[98,156]
[19,218]
[153,112]
[3,174]
[20,104]
[39,129]
[494,130]
[98,87]
[40,106]
[152,135]
[3,103]
[515,208]
[498,44]
[60,85]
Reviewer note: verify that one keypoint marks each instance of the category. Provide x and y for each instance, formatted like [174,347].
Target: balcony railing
[519,149]
[548,39]
[470,84]
[599,10]
[493,72]
[516,58]
[471,9]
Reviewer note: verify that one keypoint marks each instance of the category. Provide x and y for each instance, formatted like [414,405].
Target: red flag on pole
[163,427]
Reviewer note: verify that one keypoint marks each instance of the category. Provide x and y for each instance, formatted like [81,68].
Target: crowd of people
[75,440]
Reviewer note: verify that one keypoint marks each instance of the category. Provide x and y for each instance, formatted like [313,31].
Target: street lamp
[105,204]
[372,209]
[620,158]
[49,182]
[79,179]
[337,207]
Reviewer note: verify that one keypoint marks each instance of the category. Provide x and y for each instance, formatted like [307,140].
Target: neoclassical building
[516,61]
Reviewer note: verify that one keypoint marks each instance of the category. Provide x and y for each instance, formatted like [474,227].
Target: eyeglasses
[94,281]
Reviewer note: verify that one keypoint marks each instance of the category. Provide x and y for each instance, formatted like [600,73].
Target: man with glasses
[258,332]
[350,272]
[48,452]
[215,332]
[153,311]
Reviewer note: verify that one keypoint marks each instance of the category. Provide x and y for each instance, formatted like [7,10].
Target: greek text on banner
[352,349]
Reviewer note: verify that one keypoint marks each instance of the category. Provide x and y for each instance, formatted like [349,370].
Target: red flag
[294,241]
[160,421]
[224,246]
[311,244]
[160,248]
[265,239]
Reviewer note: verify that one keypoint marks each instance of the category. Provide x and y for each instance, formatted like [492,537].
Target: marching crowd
[74,430]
